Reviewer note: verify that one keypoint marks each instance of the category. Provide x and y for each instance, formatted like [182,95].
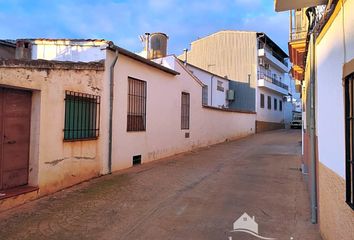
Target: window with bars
[82,116]
[280,105]
[205,95]
[185,110]
[269,102]
[220,86]
[349,139]
[136,118]
[262,100]
[275,104]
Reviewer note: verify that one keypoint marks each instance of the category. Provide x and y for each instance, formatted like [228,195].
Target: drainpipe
[313,181]
[313,133]
[111,95]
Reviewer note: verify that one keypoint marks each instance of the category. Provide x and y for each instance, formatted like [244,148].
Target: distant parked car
[297,120]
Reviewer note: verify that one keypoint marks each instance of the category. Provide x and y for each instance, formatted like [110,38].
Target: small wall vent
[136,160]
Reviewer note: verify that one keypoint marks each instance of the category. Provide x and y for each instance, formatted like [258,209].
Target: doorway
[15,119]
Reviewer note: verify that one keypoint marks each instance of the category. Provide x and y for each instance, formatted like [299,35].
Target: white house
[322,53]
[216,89]
[255,64]
[109,114]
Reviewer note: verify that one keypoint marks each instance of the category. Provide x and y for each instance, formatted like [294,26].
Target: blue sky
[123,21]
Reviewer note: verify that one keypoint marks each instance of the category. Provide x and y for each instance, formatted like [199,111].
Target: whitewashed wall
[163,136]
[65,50]
[330,105]
[216,97]
[269,115]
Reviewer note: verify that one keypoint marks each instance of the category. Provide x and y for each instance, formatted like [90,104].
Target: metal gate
[15,117]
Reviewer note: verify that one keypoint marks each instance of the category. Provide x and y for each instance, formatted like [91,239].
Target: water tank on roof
[158,45]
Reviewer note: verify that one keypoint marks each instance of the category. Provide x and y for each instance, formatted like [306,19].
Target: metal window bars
[185,110]
[82,116]
[136,117]
[349,139]
[262,100]
[272,79]
[269,102]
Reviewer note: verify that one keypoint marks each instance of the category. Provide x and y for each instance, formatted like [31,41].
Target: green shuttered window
[82,113]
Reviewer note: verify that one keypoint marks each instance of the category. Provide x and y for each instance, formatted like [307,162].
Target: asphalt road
[196,195]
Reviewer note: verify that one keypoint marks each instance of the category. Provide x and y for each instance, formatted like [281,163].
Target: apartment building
[322,54]
[255,65]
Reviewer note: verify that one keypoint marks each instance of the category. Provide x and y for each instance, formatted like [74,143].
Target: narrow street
[197,195]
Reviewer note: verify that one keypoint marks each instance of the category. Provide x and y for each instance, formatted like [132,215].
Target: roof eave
[141,59]
[8,44]
[286,5]
[279,49]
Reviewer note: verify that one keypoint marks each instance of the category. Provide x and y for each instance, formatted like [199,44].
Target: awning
[285,5]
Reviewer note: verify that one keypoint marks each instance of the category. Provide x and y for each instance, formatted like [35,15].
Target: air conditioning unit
[266,66]
[230,95]
[261,61]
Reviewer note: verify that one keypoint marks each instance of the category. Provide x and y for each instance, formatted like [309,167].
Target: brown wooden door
[15,117]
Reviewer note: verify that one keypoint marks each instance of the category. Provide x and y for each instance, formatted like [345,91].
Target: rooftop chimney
[185,56]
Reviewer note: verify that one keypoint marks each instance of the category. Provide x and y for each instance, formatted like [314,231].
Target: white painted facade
[331,54]
[272,82]
[215,87]
[163,136]
[270,115]
[68,50]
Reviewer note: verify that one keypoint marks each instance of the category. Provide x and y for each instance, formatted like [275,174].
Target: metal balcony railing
[298,25]
[297,34]
[272,79]
[282,60]
[274,54]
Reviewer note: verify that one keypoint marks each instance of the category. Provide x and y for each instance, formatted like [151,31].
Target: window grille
[185,110]
[269,102]
[280,105]
[205,95]
[349,139]
[82,116]
[262,100]
[136,118]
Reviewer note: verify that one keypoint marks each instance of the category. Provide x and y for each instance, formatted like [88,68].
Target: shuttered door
[15,117]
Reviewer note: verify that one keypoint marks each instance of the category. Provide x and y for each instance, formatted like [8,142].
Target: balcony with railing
[298,25]
[272,53]
[277,61]
[272,83]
